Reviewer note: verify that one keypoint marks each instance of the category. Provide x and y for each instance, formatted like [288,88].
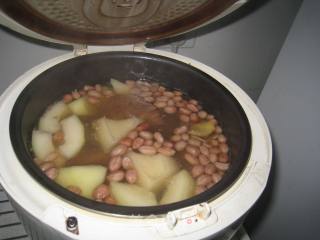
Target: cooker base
[16,223]
[36,201]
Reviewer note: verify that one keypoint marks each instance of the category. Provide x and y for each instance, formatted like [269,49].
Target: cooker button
[204,211]
[171,220]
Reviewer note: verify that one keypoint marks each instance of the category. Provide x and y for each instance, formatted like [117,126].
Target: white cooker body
[194,222]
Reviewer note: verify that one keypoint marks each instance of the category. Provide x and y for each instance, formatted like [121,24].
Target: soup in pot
[132,143]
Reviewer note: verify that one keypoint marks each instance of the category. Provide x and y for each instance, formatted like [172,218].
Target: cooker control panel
[187,220]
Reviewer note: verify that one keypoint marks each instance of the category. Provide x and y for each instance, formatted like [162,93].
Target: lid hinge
[80,50]
[139,47]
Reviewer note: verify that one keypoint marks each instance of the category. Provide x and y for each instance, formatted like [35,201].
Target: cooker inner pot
[72,74]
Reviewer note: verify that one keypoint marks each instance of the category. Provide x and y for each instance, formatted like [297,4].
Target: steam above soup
[132,144]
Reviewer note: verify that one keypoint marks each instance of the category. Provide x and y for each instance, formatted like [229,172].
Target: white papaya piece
[153,170]
[87,178]
[180,187]
[202,129]
[74,136]
[103,134]
[119,87]
[109,132]
[49,121]
[120,128]
[132,195]
[42,144]
[81,107]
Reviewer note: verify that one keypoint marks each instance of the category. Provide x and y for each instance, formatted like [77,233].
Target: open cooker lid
[114,22]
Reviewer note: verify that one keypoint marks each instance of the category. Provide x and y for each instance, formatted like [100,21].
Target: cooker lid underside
[112,22]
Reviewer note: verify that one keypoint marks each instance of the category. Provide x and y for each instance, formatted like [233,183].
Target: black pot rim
[25,158]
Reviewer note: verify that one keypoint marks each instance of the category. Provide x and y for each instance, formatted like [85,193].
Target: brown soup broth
[187,132]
